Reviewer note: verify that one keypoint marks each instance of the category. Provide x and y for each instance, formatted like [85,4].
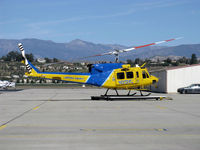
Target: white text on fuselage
[74,78]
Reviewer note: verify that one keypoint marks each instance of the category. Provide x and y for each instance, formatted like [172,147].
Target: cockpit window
[120,75]
[145,75]
[129,75]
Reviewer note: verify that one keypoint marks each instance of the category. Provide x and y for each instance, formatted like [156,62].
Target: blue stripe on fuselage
[99,79]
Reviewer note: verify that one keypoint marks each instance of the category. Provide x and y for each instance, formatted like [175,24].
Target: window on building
[120,75]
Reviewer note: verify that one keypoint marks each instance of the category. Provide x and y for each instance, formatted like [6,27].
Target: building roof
[177,67]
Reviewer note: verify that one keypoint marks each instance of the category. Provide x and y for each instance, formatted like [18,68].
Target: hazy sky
[126,22]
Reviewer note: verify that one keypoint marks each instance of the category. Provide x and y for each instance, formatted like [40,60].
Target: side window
[137,74]
[120,75]
[129,75]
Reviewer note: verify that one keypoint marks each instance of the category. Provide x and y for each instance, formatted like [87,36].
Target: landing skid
[125,97]
[129,96]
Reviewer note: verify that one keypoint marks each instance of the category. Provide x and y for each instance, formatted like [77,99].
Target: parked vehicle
[192,89]
[6,84]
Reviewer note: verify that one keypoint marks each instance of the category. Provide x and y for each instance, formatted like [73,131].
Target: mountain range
[77,49]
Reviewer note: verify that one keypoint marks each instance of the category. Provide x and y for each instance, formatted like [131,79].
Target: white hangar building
[173,78]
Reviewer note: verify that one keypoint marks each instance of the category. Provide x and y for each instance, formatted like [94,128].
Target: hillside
[79,48]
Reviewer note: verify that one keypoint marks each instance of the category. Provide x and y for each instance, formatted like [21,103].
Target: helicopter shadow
[133,100]
[80,100]
[62,100]
[10,90]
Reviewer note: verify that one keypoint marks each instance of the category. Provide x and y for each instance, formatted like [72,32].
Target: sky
[125,22]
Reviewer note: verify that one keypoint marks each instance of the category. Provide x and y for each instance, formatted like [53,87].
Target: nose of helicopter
[154,79]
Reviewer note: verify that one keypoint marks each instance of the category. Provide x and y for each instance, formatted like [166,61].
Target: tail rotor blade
[28,67]
[22,50]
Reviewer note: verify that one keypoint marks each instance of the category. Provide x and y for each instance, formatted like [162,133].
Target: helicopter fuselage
[108,75]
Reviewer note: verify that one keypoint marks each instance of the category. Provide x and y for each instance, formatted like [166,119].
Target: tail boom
[67,77]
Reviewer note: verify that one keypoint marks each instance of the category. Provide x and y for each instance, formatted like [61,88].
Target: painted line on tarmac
[26,112]
[2,127]
[179,111]
[35,108]
[128,129]
[90,126]
[161,107]
[6,123]
[95,135]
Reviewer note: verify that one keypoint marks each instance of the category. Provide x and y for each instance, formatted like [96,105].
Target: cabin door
[124,78]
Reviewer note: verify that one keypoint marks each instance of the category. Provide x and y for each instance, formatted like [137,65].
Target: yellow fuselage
[125,77]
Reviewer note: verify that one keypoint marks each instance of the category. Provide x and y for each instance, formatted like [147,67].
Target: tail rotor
[28,67]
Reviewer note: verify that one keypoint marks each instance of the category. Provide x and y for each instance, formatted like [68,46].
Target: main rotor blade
[109,53]
[155,43]
[130,49]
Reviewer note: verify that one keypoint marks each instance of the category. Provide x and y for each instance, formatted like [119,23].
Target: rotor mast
[116,53]
[117,57]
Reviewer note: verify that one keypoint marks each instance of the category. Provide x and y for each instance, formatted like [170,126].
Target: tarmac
[60,119]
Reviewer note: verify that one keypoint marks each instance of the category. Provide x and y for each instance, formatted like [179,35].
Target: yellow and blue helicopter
[109,75]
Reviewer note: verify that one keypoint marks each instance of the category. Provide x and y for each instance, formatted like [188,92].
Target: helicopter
[108,75]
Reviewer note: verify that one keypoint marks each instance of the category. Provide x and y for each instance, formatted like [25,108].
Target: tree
[129,61]
[18,81]
[183,60]
[193,59]
[137,61]
[169,61]
[16,56]
[30,57]
[12,56]
[175,63]
[47,60]
[55,60]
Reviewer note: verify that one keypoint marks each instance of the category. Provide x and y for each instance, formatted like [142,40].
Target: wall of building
[182,77]
[161,85]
